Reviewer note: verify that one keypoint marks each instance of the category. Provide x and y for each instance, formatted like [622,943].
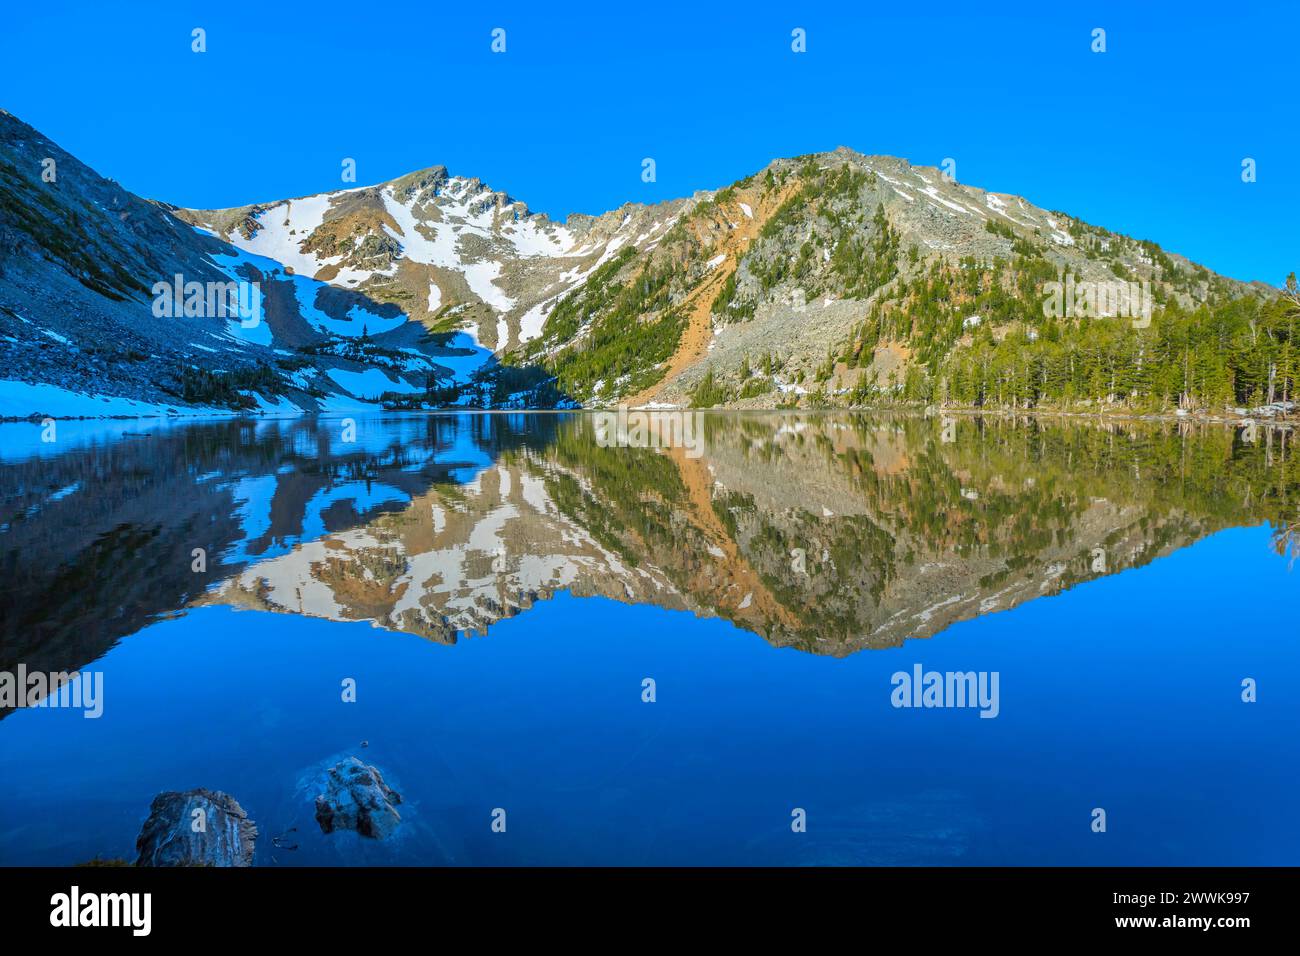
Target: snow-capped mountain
[455,254]
[110,305]
[363,296]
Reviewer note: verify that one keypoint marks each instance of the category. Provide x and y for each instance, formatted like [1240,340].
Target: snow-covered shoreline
[25,401]
[20,400]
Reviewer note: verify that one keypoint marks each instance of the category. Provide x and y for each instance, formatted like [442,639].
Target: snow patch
[369,384]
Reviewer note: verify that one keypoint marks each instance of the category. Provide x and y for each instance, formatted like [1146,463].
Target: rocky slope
[832,278]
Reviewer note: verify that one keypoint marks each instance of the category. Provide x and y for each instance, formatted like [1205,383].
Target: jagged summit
[450,250]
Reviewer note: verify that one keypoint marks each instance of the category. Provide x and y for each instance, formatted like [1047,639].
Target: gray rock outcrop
[356,798]
[196,828]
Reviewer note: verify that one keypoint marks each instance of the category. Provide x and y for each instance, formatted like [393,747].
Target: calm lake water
[501,587]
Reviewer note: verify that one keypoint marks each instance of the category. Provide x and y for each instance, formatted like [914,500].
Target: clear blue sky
[1147,138]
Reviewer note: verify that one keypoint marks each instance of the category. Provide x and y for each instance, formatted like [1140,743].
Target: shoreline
[1200,418]
[1287,422]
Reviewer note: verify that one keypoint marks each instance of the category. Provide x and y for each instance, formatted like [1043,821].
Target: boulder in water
[196,828]
[356,798]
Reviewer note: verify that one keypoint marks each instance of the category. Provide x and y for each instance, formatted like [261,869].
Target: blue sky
[1146,138]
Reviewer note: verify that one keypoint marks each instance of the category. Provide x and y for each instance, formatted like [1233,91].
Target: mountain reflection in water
[830,533]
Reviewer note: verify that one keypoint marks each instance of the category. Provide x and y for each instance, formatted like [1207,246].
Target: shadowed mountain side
[111,305]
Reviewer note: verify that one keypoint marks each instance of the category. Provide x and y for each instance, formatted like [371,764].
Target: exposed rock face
[357,798]
[175,835]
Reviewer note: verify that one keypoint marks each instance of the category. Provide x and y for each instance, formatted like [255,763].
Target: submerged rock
[356,798]
[196,828]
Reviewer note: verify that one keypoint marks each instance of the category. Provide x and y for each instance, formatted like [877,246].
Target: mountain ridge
[832,278]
